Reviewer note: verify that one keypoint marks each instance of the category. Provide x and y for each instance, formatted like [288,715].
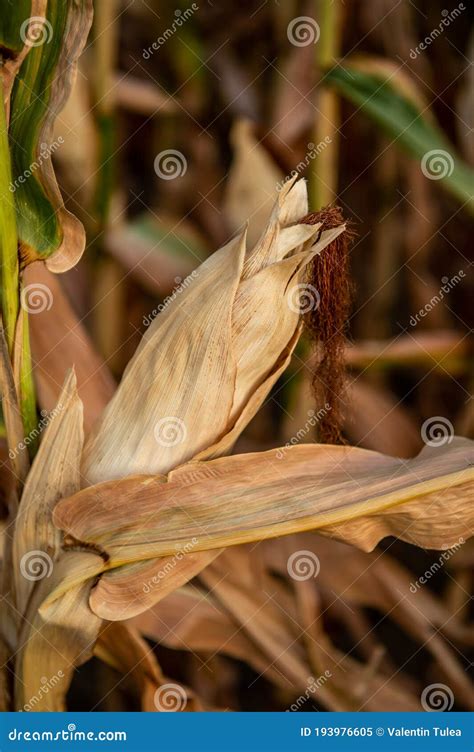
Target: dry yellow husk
[211,356]
[352,494]
[48,646]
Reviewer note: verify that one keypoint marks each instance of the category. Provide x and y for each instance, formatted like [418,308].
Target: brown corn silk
[326,323]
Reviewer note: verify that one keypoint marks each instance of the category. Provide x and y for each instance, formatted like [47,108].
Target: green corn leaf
[13,15]
[40,89]
[405,120]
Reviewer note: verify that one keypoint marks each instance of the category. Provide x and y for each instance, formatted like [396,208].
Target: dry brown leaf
[48,645]
[345,492]
[54,474]
[253,178]
[55,638]
[127,591]
[59,341]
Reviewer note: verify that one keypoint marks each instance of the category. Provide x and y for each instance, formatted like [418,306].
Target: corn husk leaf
[200,344]
[56,638]
[54,474]
[133,589]
[348,493]
[49,645]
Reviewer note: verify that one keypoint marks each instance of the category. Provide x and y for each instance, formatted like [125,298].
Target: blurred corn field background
[183,123]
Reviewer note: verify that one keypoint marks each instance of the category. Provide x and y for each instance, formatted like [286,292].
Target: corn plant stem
[8,235]
[27,390]
[105,53]
[324,176]
[10,285]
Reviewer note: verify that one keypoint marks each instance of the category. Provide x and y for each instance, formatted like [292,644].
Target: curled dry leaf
[46,229]
[39,566]
[349,493]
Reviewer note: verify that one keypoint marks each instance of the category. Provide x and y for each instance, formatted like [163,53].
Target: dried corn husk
[209,359]
[47,646]
[352,494]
